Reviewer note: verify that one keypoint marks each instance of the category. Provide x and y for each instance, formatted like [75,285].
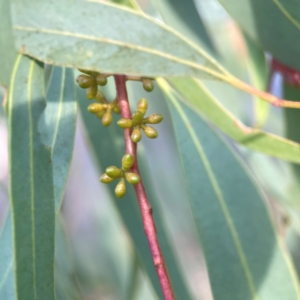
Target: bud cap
[125,123]
[101,80]
[136,135]
[154,119]
[84,81]
[127,162]
[142,105]
[132,178]
[150,132]
[148,85]
[120,188]
[106,179]
[107,119]
[95,108]
[114,172]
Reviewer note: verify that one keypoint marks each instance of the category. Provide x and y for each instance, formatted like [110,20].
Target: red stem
[145,207]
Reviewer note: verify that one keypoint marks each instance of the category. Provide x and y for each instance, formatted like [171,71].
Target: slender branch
[146,210]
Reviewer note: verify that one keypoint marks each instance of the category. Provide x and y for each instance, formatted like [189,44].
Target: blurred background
[95,255]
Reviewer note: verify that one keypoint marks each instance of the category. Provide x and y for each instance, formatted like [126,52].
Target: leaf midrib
[286,13]
[31,163]
[170,57]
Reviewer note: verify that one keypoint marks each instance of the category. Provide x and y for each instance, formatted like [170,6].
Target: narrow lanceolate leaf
[258,72]
[58,124]
[7,46]
[292,122]
[180,287]
[7,280]
[243,253]
[57,32]
[195,94]
[275,24]
[31,185]
[66,287]
[183,16]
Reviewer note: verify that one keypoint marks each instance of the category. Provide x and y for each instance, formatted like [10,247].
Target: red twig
[146,210]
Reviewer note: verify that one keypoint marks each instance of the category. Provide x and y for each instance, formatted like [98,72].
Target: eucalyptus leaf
[31,185]
[57,32]
[183,16]
[66,284]
[58,124]
[274,24]
[7,279]
[258,71]
[293,243]
[243,253]
[292,122]
[176,275]
[7,46]
[194,93]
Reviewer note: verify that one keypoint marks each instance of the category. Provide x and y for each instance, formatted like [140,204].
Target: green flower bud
[114,172]
[137,117]
[154,119]
[150,132]
[91,92]
[84,81]
[106,179]
[100,97]
[132,178]
[148,85]
[127,162]
[95,108]
[120,190]
[107,119]
[101,80]
[101,114]
[125,123]
[142,105]
[116,109]
[136,135]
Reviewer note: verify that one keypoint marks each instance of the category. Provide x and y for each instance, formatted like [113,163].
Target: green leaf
[7,47]
[258,71]
[58,33]
[243,253]
[197,96]
[292,122]
[176,275]
[108,147]
[31,185]
[66,284]
[183,16]
[292,240]
[58,124]
[7,280]
[274,24]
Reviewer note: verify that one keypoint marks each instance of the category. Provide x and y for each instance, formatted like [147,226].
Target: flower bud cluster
[90,81]
[138,122]
[112,173]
